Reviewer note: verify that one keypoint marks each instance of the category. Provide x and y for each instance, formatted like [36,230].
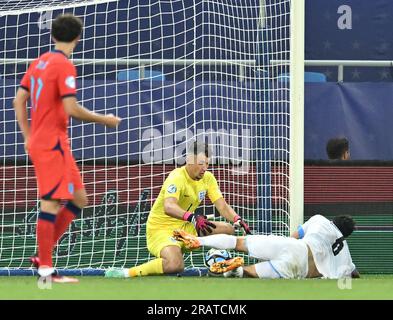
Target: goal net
[175,71]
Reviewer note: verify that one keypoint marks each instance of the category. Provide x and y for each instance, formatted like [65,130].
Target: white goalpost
[175,71]
[296,160]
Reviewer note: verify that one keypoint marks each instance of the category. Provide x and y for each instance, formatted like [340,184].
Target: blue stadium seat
[308,77]
[314,77]
[152,75]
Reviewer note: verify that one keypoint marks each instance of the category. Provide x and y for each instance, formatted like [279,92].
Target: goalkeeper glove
[202,225]
[238,222]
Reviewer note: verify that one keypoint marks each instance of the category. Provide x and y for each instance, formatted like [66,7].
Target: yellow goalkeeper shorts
[158,238]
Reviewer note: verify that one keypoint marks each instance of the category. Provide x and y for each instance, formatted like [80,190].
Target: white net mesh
[16,7]
[175,71]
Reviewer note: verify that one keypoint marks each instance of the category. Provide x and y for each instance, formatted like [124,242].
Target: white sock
[218,241]
[237,273]
[45,271]
[125,272]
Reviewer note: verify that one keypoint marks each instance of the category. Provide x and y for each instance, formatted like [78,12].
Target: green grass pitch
[178,288]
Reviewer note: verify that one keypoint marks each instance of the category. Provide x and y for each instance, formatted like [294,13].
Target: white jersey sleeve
[331,253]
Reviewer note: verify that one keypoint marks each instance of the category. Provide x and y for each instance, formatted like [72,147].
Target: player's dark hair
[345,224]
[200,147]
[336,148]
[66,28]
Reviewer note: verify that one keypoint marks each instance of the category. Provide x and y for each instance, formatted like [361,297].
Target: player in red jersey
[50,83]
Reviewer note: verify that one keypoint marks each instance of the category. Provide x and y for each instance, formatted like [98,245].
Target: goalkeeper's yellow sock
[147,269]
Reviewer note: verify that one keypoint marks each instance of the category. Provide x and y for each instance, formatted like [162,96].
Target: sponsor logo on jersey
[172,188]
[201,195]
[70,82]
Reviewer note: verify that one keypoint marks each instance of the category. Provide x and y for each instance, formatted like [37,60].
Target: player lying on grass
[317,249]
[181,194]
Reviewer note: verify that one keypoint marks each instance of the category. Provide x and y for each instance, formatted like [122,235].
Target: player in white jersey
[317,249]
[326,240]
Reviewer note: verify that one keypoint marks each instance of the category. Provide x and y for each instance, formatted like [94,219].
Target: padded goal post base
[190,272]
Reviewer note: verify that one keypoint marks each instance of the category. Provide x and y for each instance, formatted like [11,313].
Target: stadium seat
[134,75]
[314,77]
[308,77]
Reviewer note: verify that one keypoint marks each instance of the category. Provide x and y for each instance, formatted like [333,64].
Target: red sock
[45,232]
[64,218]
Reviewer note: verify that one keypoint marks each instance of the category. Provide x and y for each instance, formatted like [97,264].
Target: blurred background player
[181,194]
[50,83]
[317,249]
[338,149]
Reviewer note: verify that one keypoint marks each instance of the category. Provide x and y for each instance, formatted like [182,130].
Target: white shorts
[287,256]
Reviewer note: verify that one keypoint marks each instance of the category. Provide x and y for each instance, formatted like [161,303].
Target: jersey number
[35,95]
[338,246]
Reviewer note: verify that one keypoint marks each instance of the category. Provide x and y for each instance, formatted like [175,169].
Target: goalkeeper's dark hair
[66,28]
[336,148]
[345,224]
[200,147]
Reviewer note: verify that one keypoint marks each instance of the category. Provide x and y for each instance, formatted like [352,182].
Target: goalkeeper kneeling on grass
[182,192]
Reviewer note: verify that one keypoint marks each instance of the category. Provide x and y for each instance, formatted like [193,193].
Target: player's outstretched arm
[19,104]
[228,213]
[225,209]
[75,110]
[173,209]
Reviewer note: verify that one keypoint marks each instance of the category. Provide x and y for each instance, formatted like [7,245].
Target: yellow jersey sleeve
[172,186]
[213,190]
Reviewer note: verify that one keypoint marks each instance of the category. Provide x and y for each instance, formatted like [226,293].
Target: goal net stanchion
[175,71]
[296,160]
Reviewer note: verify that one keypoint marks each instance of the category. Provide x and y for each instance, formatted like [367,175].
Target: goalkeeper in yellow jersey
[182,192]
